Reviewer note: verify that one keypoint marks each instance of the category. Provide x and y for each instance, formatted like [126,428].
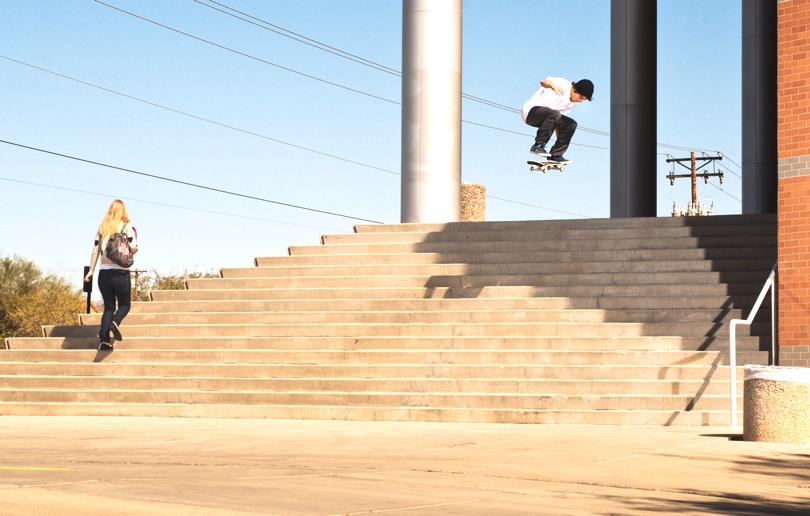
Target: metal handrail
[732,338]
[136,290]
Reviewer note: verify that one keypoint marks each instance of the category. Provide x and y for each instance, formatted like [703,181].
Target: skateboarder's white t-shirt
[548,98]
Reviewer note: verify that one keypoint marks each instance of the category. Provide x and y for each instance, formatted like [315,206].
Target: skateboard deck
[546,166]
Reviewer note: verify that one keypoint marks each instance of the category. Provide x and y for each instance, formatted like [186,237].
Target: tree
[30,299]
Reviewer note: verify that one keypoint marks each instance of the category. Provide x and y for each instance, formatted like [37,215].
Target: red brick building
[793,93]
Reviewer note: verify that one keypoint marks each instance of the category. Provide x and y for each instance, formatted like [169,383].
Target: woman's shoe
[116,331]
[105,346]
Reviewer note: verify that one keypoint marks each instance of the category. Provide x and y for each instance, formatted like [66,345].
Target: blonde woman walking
[116,242]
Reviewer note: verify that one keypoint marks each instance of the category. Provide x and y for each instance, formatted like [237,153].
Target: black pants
[114,285]
[548,121]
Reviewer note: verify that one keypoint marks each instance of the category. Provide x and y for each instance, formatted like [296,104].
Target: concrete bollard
[776,404]
[473,202]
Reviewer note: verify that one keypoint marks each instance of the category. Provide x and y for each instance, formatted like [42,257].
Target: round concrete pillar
[431,110]
[776,404]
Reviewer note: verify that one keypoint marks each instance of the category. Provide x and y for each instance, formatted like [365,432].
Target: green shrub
[155,281]
[30,299]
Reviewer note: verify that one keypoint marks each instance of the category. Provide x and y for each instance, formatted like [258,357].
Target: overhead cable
[338,52]
[245,54]
[185,183]
[247,131]
[538,207]
[728,194]
[154,104]
[303,74]
[730,160]
[258,22]
[264,24]
[198,117]
[166,205]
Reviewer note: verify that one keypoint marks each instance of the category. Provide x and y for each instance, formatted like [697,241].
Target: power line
[264,24]
[198,117]
[245,54]
[186,183]
[166,205]
[228,192]
[347,55]
[538,207]
[239,129]
[241,15]
[716,187]
[309,76]
[294,71]
[730,160]
[681,147]
[527,134]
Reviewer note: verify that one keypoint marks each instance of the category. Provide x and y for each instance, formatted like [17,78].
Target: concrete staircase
[579,321]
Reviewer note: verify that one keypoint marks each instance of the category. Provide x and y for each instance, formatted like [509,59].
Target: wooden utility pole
[693,159]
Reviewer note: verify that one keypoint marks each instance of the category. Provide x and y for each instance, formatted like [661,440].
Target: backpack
[118,251]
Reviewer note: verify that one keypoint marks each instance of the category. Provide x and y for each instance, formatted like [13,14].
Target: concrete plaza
[118,465]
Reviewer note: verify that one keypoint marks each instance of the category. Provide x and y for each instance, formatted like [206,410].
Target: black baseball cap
[584,87]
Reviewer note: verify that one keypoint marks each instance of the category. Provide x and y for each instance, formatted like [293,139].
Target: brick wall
[793,85]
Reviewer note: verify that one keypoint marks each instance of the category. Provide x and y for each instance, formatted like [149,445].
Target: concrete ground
[156,466]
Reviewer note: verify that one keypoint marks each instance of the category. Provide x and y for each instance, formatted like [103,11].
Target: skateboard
[545,166]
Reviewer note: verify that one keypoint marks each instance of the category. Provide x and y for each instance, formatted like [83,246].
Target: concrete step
[422,305]
[663,417]
[594,321]
[590,291]
[492,357]
[482,280]
[511,329]
[403,399]
[742,242]
[599,223]
[622,255]
[371,385]
[761,264]
[685,302]
[662,343]
[90,364]
[555,233]
[411,305]
[722,316]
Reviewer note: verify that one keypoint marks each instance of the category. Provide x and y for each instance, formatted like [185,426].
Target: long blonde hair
[116,214]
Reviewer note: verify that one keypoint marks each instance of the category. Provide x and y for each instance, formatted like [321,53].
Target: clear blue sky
[508,47]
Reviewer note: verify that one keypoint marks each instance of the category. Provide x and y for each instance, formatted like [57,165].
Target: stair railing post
[732,340]
[773,316]
[732,370]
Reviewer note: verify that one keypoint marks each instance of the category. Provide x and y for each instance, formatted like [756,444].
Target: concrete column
[431,110]
[633,87]
[759,161]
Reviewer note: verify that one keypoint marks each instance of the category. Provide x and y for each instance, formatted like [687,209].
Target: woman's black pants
[115,286]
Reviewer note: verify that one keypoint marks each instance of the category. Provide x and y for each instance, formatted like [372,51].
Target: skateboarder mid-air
[547,110]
